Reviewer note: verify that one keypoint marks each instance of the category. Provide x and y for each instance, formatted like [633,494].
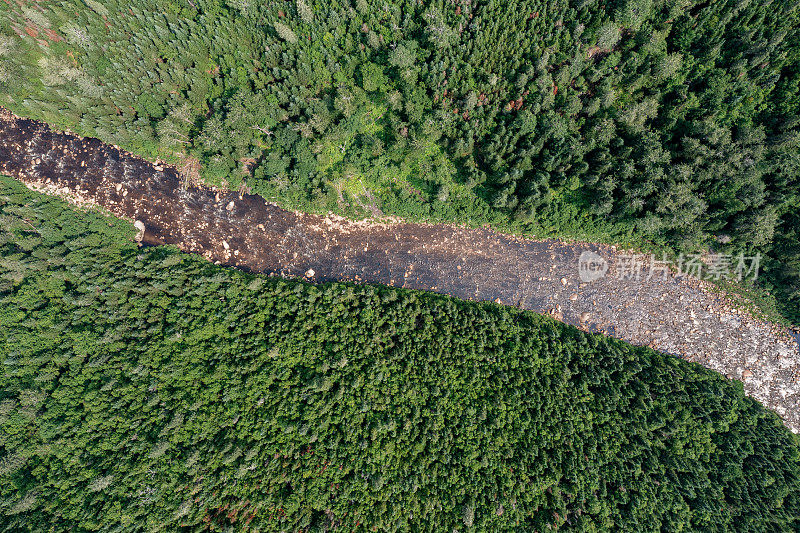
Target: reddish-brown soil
[678,315]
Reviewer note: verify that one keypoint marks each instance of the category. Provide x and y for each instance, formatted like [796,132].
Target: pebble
[139,225]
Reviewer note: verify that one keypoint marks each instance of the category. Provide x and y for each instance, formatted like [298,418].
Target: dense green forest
[145,389]
[674,122]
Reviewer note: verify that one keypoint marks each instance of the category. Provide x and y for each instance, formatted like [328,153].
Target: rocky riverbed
[680,315]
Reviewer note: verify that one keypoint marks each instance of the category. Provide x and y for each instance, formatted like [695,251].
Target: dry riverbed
[678,314]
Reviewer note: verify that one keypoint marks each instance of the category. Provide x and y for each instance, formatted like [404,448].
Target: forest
[674,123]
[143,389]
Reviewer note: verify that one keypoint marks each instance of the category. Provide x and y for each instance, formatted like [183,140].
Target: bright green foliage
[143,389]
[676,121]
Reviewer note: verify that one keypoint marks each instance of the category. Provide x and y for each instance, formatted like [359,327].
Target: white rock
[139,225]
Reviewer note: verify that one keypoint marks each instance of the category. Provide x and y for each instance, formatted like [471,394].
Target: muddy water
[676,315]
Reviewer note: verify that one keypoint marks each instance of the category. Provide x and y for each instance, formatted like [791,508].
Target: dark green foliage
[143,389]
[675,121]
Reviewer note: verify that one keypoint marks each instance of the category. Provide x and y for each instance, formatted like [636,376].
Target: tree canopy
[145,389]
